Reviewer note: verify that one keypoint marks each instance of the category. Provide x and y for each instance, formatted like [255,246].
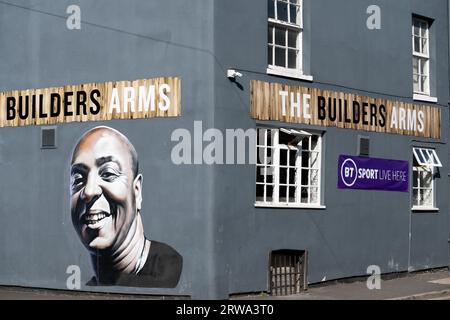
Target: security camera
[232,74]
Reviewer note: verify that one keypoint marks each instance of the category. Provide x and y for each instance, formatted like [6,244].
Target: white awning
[298,135]
[293,132]
[427,157]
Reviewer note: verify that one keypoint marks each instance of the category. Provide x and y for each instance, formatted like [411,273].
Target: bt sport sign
[372,174]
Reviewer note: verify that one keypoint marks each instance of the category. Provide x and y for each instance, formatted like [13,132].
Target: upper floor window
[421,56]
[285,36]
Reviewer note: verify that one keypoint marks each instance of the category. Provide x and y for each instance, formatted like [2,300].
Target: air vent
[48,138]
[288,272]
[363,146]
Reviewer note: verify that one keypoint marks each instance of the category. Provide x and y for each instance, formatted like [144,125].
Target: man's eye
[77,180]
[109,175]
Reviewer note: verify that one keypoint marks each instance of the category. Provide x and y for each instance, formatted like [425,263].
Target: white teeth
[93,218]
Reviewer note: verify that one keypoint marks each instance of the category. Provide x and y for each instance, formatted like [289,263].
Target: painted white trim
[288,206]
[286,24]
[421,97]
[428,209]
[289,73]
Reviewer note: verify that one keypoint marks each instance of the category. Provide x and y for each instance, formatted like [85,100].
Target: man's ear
[137,189]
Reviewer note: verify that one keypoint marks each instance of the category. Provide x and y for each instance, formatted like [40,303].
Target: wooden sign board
[294,104]
[146,98]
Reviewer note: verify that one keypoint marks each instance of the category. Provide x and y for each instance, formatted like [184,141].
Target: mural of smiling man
[106,203]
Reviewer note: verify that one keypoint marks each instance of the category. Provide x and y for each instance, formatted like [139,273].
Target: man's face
[103,191]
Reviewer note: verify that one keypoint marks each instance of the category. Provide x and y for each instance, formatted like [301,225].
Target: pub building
[343,103]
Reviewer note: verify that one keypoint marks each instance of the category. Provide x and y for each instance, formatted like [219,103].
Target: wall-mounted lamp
[232,74]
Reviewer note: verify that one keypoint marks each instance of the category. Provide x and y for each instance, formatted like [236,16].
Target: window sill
[295,74]
[422,97]
[289,206]
[424,209]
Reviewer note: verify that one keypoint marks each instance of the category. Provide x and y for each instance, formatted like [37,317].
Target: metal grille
[364,146]
[48,138]
[288,272]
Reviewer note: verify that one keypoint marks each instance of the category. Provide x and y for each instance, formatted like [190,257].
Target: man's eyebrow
[101,161]
[79,167]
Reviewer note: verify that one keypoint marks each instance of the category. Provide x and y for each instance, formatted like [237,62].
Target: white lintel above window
[427,157]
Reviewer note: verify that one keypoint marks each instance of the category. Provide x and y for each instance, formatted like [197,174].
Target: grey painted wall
[207,212]
[119,40]
[358,228]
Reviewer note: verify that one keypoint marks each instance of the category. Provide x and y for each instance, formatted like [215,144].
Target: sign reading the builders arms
[294,104]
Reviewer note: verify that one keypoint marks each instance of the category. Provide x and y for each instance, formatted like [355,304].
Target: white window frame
[275,164]
[427,162]
[287,26]
[423,57]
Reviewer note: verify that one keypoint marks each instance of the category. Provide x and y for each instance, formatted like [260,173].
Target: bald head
[105,137]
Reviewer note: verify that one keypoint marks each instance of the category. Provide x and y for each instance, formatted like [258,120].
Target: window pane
[270,55]
[415,178]
[292,194]
[424,67]
[260,156]
[270,35]
[423,29]
[269,174]
[292,157]
[280,58]
[315,178]
[260,172]
[416,83]
[428,198]
[280,37]
[283,157]
[424,46]
[304,195]
[271,9]
[415,65]
[420,197]
[292,39]
[424,84]
[282,11]
[295,14]
[283,175]
[261,137]
[315,160]
[426,179]
[305,177]
[292,59]
[315,143]
[305,144]
[283,194]
[416,28]
[416,197]
[269,157]
[305,159]
[269,193]
[292,175]
[270,135]
[314,195]
[259,192]
[417,44]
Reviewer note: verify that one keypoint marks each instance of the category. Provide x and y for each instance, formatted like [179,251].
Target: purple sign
[372,174]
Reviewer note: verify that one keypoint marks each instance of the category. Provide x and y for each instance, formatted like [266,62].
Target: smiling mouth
[93,217]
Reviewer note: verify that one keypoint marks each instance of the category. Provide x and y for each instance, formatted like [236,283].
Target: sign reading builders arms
[147,98]
[279,102]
